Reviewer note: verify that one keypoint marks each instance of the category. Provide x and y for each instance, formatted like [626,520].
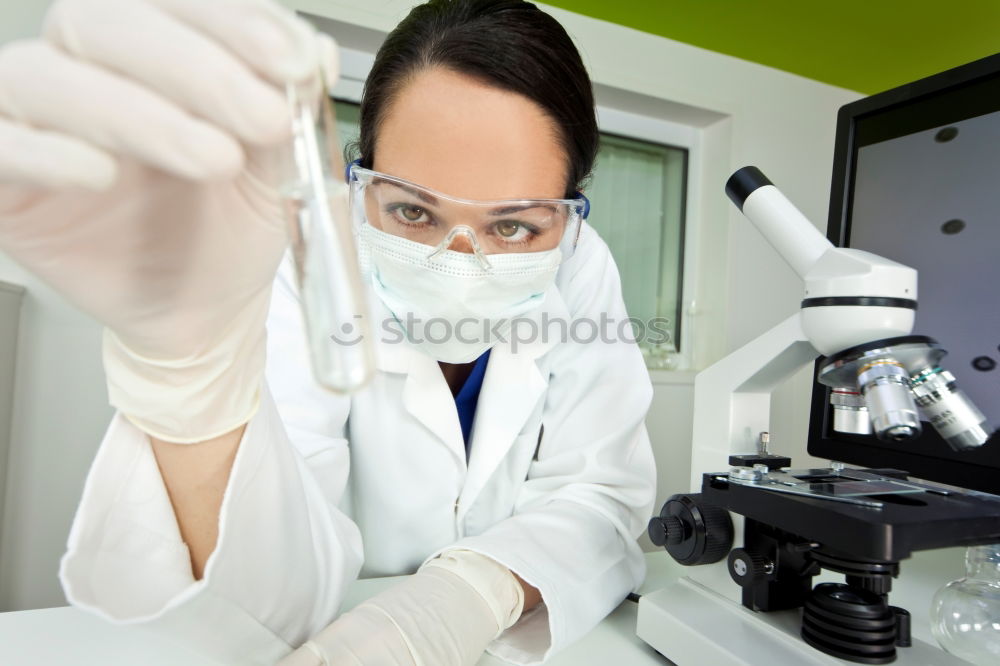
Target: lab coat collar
[426,395]
[511,389]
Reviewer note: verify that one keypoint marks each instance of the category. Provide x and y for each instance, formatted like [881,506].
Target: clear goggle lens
[442,222]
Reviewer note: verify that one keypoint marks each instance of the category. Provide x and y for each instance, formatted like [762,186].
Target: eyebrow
[420,194]
[517,209]
[433,201]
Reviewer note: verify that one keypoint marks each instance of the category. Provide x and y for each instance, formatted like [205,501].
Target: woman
[508,474]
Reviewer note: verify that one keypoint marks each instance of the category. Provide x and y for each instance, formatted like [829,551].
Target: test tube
[316,202]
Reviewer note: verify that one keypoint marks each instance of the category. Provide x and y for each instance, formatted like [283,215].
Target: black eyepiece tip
[743,183]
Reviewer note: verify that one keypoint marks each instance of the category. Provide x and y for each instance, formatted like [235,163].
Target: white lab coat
[559,484]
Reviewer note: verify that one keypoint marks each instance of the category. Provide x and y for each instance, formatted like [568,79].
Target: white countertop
[66,635]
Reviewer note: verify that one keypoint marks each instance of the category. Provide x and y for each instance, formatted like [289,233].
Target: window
[637,197]
[348,121]
[637,206]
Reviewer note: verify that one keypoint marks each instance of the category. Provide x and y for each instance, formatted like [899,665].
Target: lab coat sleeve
[590,491]
[285,552]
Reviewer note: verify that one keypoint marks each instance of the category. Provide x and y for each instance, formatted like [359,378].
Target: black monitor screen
[917,180]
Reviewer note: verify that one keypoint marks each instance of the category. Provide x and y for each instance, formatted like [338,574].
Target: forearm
[196,476]
[128,560]
[532,597]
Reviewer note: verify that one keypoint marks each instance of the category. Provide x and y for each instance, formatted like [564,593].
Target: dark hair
[509,44]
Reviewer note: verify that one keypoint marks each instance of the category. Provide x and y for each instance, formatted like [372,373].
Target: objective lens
[949,410]
[849,412]
[885,385]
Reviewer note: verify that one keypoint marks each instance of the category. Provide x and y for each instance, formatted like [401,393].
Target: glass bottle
[965,614]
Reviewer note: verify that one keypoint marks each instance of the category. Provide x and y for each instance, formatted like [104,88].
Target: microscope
[790,525]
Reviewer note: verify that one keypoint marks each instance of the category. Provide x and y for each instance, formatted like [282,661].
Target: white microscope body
[851,298]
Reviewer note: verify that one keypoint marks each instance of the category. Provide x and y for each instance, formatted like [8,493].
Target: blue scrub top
[468,397]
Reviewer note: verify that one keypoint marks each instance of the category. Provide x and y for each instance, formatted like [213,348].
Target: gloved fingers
[329,60]
[275,42]
[48,90]
[176,60]
[294,51]
[325,76]
[47,159]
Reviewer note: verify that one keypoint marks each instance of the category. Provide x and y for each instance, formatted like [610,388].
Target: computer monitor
[916,179]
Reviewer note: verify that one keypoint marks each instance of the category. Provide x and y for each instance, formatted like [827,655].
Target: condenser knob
[747,568]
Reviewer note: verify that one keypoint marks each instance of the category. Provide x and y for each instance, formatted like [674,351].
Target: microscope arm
[732,398]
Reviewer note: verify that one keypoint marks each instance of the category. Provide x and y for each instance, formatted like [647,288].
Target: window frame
[640,127]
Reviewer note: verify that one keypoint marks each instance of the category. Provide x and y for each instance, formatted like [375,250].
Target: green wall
[863,45]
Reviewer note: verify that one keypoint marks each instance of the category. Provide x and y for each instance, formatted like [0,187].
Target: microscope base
[692,625]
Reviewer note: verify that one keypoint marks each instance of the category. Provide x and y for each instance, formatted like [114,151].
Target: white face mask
[449,306]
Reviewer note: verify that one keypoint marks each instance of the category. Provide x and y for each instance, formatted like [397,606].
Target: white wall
[21,18]
[10,316]
[747,114]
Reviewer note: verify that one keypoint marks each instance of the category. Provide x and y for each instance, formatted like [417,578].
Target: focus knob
[692,530]
[747,568]
[666,531]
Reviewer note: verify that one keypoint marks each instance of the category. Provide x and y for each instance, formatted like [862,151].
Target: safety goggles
[442,222]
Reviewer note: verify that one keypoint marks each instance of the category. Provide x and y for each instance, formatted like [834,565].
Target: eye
[412,213]
[514,232]
[508,229]
[408,214]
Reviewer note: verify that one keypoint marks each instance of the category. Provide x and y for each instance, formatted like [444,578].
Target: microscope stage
[909,518]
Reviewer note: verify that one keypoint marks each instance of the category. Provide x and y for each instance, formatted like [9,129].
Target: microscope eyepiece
[745,182]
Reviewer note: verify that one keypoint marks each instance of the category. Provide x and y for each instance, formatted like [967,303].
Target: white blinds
[637,206]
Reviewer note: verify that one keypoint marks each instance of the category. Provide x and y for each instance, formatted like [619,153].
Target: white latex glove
[443,615]
[142,145]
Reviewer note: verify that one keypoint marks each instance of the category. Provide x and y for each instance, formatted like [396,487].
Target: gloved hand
[443,615]
[142,147]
